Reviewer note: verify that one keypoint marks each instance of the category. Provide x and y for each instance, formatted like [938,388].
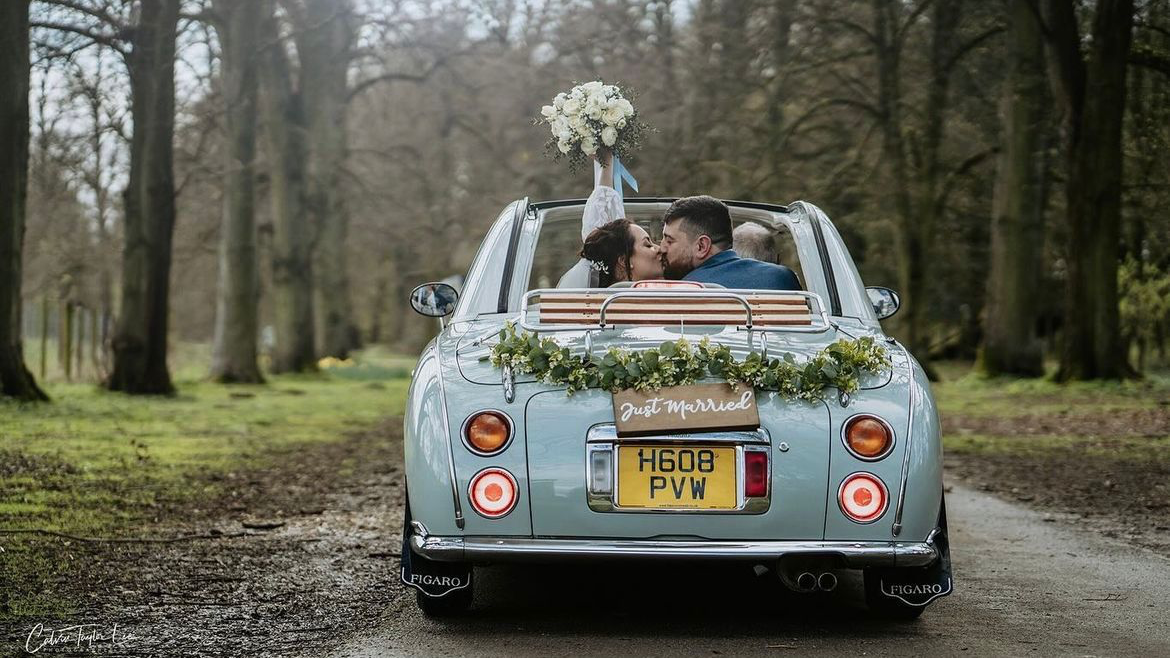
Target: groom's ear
[703,246]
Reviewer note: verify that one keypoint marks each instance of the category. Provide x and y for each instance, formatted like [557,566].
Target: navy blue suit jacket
[730,271]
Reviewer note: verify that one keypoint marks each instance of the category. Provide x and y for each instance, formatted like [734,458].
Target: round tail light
[493,492]
[487,432]
[868,437]
[863,497]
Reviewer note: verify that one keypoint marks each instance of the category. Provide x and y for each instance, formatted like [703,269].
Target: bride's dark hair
[605,246]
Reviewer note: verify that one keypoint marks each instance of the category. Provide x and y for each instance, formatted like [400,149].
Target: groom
[696,246]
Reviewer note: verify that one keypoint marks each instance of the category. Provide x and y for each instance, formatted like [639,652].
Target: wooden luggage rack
[566,310]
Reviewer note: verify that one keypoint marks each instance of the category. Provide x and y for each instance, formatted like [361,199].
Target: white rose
[608,136]
[549,112]
[588,146]
[612,116]
[564,146]
[627,107]
[592,86]
[584,130]
[572,106]
[559,101]
[621,124]
[575,121]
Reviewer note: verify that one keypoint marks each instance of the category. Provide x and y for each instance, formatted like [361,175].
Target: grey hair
[750,240]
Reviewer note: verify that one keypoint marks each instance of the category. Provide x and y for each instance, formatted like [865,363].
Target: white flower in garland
[589,116]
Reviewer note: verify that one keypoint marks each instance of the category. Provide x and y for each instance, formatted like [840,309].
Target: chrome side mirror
[885,302]
[434,299]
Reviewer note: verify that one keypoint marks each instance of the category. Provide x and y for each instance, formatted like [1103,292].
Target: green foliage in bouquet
[676,363]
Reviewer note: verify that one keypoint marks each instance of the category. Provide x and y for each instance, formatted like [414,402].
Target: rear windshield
[558,243]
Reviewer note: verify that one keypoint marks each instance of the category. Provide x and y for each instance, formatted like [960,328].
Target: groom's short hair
[702,215]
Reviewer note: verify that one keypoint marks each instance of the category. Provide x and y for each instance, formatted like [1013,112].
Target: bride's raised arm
[603,206]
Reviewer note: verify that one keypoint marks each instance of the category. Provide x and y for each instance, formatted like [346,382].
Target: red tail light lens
[863,497]
[755,471]
[868,437]
[493,492]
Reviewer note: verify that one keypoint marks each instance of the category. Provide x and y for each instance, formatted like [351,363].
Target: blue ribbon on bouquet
[620,174]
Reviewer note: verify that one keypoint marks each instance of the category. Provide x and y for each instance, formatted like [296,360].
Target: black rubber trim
[545,205]
[510,260]
[827,265]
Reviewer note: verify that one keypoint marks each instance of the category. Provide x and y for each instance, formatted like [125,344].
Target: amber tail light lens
[863,497]
[868,437]
[487,432]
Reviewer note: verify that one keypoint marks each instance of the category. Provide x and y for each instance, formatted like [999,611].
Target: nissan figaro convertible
[670,421]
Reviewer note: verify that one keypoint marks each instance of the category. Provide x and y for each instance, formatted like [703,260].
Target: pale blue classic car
[535,429]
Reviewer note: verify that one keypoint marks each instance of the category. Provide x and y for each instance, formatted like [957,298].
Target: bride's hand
[605,157]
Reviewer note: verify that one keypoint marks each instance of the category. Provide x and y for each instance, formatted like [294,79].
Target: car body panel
[547,454]
[557,461]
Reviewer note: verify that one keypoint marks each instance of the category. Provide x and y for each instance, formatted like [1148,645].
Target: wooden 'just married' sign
[694,408]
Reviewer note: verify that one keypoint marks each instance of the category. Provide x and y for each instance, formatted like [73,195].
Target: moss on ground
[96,463]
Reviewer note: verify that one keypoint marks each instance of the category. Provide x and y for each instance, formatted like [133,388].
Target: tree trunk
[919,201]
[1010,345]
[324,39]
[292,270]
[1092,95]
[233,356]
[783,16]
[140,341]
[15,379]
[911,248]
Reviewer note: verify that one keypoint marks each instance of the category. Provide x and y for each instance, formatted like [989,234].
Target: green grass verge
[963,391]
[96,463]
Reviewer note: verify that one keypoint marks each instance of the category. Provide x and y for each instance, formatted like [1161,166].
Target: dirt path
[319,558]
[316,575]
[1025,585]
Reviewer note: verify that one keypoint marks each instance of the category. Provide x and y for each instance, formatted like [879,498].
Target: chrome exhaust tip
[806,582]
[827,581]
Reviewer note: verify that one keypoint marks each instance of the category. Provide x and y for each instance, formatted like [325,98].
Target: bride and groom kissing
[696,244]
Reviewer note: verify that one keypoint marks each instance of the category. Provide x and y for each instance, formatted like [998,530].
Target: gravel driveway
[1025,584]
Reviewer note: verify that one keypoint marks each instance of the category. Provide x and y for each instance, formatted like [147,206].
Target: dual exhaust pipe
[809,582]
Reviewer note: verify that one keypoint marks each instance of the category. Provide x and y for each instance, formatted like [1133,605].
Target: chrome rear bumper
[503,549]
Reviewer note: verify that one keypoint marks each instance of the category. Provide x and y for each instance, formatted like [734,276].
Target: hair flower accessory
[599,266]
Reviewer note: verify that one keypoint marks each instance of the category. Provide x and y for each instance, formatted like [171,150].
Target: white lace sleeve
[602,207]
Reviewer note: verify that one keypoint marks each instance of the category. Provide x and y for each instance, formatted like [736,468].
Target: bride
[615,249]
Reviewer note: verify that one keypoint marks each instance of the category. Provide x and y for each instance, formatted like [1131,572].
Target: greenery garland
[677,362]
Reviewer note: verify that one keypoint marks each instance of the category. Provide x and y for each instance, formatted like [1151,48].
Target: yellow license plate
[682,477]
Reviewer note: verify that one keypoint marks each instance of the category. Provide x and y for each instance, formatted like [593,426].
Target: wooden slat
[619,308]
[676,319]
[673,318]
[768,309]
[596,299]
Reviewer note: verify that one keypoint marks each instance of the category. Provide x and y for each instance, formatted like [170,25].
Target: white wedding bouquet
[590,116]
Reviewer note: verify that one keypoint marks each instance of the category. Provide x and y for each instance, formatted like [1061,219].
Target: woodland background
[273,177]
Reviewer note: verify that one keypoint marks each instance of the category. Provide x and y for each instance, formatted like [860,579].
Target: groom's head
[694,229]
